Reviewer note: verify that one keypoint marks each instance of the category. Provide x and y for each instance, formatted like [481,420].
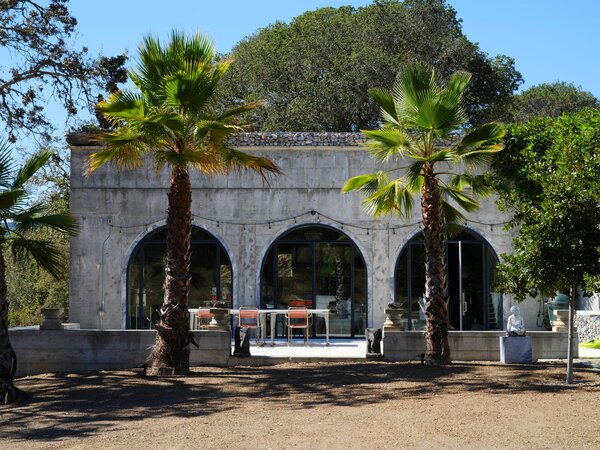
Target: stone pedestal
[220,320]
[394,320]
[516,349]
[51,319]
[561,324]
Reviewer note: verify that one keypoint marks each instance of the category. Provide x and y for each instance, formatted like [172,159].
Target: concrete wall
[117,209]
[473,345]
[41,351]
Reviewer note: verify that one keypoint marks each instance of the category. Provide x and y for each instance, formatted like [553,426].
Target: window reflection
[211,280]
[319,268]
[470,276]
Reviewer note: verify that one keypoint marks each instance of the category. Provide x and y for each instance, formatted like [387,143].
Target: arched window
[321,268]
[470,274]
[211,276]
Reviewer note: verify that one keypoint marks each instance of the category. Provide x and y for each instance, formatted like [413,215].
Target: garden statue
[515,325]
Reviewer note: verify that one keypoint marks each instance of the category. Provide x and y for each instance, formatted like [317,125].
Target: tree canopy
[548,99]
[37,37]
[549,175]
[315,71]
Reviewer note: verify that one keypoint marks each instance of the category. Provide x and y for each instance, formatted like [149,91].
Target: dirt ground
[370,405]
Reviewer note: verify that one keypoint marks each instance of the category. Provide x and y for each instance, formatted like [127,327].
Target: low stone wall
[41,351]
[588,325]
[472,345]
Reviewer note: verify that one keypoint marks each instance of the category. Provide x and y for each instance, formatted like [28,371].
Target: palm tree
[420,117]
[20,223]
[171,118]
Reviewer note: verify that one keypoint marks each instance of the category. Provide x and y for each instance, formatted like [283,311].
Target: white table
[273,314]
[262,314]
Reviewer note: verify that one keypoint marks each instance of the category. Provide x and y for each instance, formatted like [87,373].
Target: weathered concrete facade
[116,209]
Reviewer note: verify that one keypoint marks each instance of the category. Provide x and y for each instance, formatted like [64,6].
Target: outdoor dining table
[262,314]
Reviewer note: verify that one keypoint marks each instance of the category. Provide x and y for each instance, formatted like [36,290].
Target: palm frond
[189,90]
[125,148]
[201,158]
[164,122]
[6,164]
[391,197]
[459,196]
[414,175]
[29,220]
[387,142]
[9,200]
[239,109]
[367,183]
[452,216]
[458,83]
[31,166]
[478,184]
[123,106]
[479,158]
[238,160]
[441,155]
[474,139]
[44,253]
[386,102]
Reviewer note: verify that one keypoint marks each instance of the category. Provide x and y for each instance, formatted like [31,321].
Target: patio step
[276,360]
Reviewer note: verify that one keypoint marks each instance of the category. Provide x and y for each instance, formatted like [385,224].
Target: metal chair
[248,318]
[298,317]
[204,318]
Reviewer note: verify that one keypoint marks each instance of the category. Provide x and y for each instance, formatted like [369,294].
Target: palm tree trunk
[8,393]
[171,353]
[436,332]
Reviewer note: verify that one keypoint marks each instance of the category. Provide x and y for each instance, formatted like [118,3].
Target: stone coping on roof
[267,139]
[297,139]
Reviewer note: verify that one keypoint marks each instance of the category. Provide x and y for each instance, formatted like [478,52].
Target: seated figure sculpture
[515,325]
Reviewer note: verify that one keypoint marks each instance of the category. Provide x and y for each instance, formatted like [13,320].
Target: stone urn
[220,320]
[394,319]
[51,319]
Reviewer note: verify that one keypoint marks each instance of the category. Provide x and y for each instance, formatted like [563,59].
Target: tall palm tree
[20,223]
[171,118]
[420,117]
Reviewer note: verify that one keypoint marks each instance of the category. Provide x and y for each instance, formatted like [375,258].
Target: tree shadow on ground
[61,406]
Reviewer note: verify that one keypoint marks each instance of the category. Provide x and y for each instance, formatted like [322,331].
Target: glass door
[318,268]
[472,278]
[333,288]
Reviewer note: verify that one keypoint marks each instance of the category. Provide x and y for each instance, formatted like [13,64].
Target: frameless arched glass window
[470,276]
[211,276]
[320,268]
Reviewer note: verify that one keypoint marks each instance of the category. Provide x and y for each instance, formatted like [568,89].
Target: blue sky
[549,39]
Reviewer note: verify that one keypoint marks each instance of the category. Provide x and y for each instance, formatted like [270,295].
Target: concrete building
[294,240]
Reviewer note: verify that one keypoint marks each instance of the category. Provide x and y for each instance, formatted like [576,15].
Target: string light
[319,216]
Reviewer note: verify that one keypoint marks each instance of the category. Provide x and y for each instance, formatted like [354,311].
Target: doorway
[470,277]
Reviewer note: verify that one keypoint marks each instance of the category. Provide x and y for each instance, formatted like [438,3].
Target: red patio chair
[249,318]
[204,318]
[298,318]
